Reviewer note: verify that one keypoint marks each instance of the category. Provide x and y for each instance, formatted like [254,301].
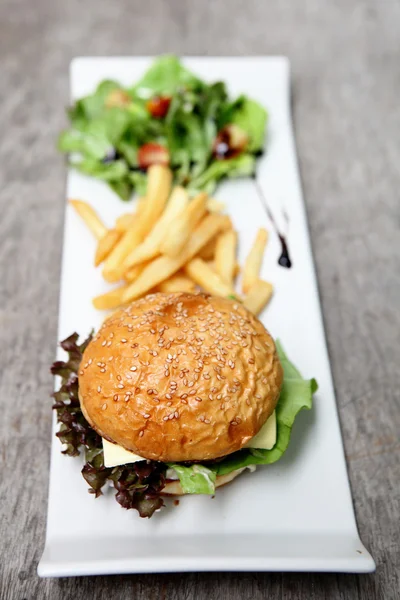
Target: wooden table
[345,59]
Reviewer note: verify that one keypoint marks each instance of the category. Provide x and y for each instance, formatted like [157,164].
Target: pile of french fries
[174,244]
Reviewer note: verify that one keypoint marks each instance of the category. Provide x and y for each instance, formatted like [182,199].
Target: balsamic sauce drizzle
[284,259]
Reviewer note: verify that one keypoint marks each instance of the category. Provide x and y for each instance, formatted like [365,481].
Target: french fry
[133,272]
[159,179]
[150,247]
[177,283]
[258,296]
[163,267]
[208,251]
[252,266]
[105,245]
[215,206]
[210,263]
[237,270]
[125,221]
[158,187]
[207,278]
[111,299]
[181,229]
[91,218]
[225,255]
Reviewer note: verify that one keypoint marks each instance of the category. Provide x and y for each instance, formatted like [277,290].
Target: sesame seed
[251,361]
[168,396]
[176,414]
[110,358]
[103,343]
[198,399]
[104,406]
[120,386]
[123,340]
[127,376]
[119,377]
[81,372]
[141,433]
[90,361]
[184,401]
[169,403]
[115,397]
[207,421]
[150,391]
[99,389]
[192,392]
[102,370]
[133,369]
[165,418]
[146,416]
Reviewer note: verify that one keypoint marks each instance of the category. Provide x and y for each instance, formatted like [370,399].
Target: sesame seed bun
[180,377]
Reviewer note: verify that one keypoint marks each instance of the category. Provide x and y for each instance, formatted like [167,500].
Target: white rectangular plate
[295,515]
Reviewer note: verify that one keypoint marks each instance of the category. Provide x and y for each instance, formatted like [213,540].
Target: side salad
[170,117]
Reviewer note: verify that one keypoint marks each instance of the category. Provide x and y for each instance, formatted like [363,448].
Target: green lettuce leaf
[252,118]
[164,77]
[97,137]
[240,166]
[196,479]
[139,181]
[91,106]
[296,394]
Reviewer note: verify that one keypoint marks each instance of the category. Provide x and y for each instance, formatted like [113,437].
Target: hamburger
[177,394]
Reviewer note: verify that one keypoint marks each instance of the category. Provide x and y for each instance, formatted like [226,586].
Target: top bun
[180,377]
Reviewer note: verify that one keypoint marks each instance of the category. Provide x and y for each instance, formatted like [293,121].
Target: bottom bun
[174,488]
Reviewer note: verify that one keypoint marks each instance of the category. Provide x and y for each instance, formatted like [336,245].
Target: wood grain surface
[345,57]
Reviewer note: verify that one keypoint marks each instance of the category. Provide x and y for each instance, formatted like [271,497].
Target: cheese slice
[266,437]
[115,455]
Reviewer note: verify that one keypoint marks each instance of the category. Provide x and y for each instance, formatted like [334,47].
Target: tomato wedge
[158,106]
[152,154]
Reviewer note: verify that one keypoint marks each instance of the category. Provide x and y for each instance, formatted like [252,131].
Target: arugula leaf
[195,479]
[165,76]
[296,394]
